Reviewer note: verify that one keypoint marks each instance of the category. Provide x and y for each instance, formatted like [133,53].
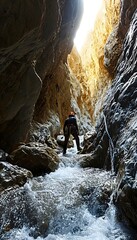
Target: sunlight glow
[91,8]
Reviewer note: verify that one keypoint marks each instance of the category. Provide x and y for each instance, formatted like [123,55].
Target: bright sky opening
[91,8]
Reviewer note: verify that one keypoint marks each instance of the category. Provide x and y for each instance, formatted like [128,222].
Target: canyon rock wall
[98,62]
[114,146]
[80,92]
[36,37]
[38,84]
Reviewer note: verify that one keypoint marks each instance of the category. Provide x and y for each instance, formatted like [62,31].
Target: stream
[62,199]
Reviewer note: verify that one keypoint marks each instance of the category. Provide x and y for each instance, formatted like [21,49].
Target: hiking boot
[79,149]
[64,152]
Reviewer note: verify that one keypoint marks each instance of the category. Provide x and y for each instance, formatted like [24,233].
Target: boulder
[11,176]
[88,140]
[61,139]
[37,158]
[3,155]
[41,133]
[90,160]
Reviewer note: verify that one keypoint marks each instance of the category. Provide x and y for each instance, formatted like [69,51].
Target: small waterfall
[61,206]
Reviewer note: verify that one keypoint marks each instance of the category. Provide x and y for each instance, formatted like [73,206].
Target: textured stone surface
[29,43]
[16,20]
[79,81]
[55,94]
[17,206]
[12,176]
[37,83]
[113,46]
[127,10]
[61,139]
[115,143]
[37,158]
[112,51]
[97,74]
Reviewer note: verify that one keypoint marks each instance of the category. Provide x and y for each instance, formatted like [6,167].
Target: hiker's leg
[75,135]
[65,143]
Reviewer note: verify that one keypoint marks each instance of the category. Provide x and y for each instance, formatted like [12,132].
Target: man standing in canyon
[71,127]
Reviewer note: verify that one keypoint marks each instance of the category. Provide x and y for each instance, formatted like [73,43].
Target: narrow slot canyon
[64,59]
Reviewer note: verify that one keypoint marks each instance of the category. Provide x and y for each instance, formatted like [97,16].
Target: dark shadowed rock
[35,37]
[127,204]
[90,160]
[112,51]
[12,176]
[126,13]
[17,206]
[20,84]
[114,45]
[126,168]
[88,140]
[3,156]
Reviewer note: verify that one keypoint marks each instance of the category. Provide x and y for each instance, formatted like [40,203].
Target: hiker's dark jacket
[70,123]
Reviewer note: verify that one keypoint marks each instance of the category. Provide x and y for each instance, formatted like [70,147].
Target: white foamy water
[60,200]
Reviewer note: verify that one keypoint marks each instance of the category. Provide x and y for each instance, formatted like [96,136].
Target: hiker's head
[72,114]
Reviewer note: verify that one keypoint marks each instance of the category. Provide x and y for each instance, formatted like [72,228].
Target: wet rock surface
[115,142]
[32,86]
[19,208]
[12,176]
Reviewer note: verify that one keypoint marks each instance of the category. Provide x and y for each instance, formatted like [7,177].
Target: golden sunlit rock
[89,66]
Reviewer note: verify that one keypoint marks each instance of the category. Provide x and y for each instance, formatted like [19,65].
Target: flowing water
[58,206]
